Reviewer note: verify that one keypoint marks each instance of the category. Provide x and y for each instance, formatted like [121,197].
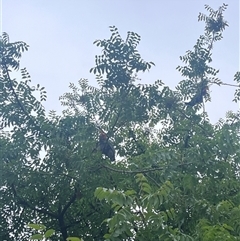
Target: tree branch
[70,202]
[143,170]
[229,84]
[153,180]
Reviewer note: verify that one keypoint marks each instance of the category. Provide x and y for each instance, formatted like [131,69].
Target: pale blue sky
[61,34]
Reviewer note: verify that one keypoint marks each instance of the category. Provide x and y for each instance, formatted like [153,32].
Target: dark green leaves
[120,59]
[10,53]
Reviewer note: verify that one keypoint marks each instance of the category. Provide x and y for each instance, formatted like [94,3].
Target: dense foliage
[176,175]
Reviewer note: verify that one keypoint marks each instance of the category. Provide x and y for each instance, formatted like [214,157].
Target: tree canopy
[175,175]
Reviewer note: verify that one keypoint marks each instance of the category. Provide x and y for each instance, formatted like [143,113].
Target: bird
[198,98]
[106,146]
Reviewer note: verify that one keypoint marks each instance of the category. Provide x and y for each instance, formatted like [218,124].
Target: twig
[229,84]
[153,180]
[72,199]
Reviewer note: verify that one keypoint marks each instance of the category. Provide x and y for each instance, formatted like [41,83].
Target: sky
[61,35]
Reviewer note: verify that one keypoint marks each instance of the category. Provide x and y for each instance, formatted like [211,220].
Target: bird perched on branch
[198,98]
[106,146]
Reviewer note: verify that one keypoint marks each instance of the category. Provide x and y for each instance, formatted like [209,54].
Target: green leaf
[107,236]
[130,192]
[74,239]
[36,226]
[49,233]
[228,227]
[146,188]
[37,237]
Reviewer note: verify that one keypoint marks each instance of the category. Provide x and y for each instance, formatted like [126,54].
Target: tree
[176,175]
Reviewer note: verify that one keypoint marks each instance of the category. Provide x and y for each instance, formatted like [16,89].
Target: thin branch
[71,201]
[140,212]
[229,84]
[120,111]
[143,170]
[153,180]
[131,172]
[211,44]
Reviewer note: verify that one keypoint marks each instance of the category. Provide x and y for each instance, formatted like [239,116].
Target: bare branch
[143,170]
